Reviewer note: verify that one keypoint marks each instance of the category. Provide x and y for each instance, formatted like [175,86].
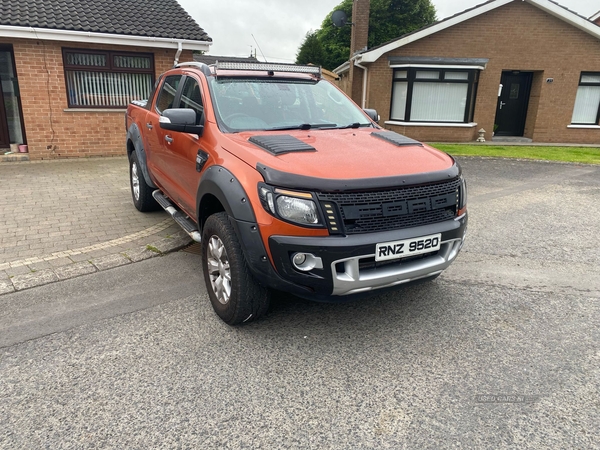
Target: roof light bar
[313,70]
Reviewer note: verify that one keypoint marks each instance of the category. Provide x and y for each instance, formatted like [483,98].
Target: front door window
[11,130]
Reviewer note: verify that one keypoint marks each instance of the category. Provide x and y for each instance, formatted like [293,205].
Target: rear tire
[140,191]
[234,293]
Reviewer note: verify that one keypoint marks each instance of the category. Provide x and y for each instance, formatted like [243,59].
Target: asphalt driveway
[501,351]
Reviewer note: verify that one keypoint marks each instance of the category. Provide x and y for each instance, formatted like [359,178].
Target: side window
[167,93]
[587,101]
[191,97]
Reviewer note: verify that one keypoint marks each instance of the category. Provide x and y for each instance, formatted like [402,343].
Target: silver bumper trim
[353,280]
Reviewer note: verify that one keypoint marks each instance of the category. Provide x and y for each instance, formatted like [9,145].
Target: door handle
[149,125]
[169,139]
[502,104]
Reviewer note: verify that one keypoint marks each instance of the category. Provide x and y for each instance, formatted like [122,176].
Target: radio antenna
[261,52]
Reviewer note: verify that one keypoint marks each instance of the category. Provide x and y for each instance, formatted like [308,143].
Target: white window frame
[586,84]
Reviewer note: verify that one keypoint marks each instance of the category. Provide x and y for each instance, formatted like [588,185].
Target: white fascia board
[567,16]
[374,55]
[435,66]
[595,16]
[46,34]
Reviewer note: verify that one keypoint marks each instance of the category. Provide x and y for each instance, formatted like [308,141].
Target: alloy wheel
[219,270]
[135,181]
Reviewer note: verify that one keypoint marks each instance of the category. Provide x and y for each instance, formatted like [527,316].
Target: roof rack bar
[269,67]
[196,64]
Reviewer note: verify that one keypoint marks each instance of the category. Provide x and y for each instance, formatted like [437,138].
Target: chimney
[358,42]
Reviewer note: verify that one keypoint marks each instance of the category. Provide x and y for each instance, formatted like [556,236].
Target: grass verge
[584,155]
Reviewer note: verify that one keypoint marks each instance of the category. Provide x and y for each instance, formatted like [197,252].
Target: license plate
[407,247]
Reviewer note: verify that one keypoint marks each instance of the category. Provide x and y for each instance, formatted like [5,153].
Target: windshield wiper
[304,126]
[351,125]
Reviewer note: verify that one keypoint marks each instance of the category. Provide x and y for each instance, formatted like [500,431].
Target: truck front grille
[391,209]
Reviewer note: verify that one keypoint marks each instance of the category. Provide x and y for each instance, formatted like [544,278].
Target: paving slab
[110,261]
[74,270]
[33,279]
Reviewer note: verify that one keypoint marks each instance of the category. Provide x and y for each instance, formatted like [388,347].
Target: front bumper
[349,265]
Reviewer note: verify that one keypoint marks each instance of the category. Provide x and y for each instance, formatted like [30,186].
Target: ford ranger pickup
[288,185]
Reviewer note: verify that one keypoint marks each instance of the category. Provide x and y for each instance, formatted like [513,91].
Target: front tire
[235,295]
[140,191]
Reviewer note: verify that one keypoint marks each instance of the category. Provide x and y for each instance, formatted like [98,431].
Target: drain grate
[195,248]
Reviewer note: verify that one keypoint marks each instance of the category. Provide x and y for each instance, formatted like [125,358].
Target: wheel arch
[220,190]
[135,144]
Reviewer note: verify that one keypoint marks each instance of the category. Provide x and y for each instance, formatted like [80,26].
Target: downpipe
[178,53]
[364,86]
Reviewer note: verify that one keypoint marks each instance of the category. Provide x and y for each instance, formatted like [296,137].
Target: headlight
[292,206]
[297,210]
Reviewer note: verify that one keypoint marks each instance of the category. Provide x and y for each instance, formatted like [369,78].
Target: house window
[433,95]
[587,102]
[103,79]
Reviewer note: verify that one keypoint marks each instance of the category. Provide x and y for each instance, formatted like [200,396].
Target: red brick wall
[53,132]
[517,36]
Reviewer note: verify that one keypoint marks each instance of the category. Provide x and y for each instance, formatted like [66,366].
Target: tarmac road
[501,351]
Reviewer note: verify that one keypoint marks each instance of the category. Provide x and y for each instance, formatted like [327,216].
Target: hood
[340,154]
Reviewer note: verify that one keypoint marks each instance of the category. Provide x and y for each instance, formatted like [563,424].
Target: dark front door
[511,111]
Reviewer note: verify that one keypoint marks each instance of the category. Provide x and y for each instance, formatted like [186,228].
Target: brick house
[70,67]
[528,69]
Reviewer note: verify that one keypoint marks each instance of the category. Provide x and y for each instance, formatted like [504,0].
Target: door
[511,110]
[156,135]
[11,129]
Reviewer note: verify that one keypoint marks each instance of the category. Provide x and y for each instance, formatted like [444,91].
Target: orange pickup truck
[289,185]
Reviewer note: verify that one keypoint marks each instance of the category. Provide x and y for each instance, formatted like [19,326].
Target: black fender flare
[222,184]
[135,137]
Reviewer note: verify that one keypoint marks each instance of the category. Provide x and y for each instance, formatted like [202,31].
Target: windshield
[243,104]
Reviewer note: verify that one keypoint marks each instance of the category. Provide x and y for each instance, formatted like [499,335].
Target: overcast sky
[279,26]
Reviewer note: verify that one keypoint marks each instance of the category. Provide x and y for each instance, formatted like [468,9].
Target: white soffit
[545,5]
[99,38]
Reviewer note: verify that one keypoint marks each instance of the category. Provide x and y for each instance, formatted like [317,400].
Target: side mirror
[372,114]
[183,120]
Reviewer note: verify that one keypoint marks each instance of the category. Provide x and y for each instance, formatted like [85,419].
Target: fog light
[306,261]
[299,259]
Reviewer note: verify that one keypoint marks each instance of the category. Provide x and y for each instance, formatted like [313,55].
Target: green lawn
[585,155]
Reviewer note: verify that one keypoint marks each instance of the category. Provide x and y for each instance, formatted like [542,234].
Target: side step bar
[184,221]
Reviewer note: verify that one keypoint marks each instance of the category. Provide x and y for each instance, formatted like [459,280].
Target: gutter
[342,68]
[9,31]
